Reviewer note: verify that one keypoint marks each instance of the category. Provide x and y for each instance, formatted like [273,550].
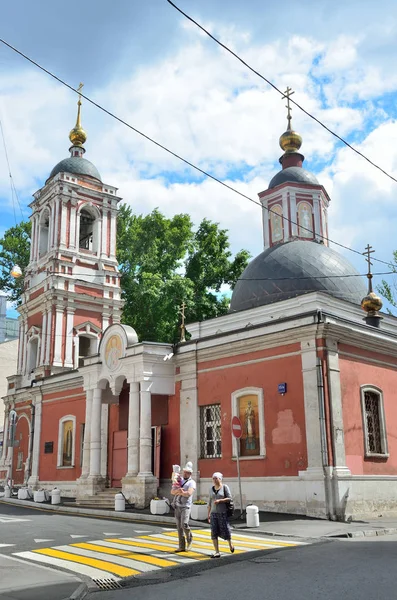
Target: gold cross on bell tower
[287,94]
[368,252]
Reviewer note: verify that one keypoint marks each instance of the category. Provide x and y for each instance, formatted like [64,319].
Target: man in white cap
[183,507]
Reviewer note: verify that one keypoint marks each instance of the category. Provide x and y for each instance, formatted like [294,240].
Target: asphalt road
[328,570]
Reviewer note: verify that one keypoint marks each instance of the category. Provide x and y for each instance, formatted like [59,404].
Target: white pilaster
[189,416]
[5,438]
[265,224]
[145,442]
[336,409]
[43,337]
[85,470]
[286,217]
[294,216]
[311,403]
[34,475]
[316,213]
[69,338]
[113,235]
[57,362]
[48,337]
[20,344]
[72,232]
[133,431]
[95,448]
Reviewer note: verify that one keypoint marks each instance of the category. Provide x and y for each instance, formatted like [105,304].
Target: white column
[294,216]
[52,225]
[113,235]
[285,214]
[105,320]
[69,338]
[85,469]
[34,475]
[43,337]
[104,233]
[336,409]
[25,349]
[33,237]
[133,431]
[145,442]
[58,337]
[72,233]
[95,447]
[48,337]
[20,344]
[64,219]
[104,440]
[311,403]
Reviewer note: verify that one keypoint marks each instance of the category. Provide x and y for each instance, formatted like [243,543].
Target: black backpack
[230,504]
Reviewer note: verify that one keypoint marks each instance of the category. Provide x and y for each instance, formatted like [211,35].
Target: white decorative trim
[254,391]
[60,440]
[382,423]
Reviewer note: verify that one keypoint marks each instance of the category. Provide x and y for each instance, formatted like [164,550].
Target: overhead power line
[14,193]
[184,160]
[341,139]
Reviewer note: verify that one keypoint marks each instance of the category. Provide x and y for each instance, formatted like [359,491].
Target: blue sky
[147,64]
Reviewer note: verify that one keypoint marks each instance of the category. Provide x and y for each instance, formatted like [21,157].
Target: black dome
[76,165]
[293,174]
[293,269]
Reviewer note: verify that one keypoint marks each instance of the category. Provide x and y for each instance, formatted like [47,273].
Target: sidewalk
[44,583]
[274,524]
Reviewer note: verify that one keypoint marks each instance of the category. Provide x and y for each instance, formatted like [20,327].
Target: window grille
[373,422]
[210,431]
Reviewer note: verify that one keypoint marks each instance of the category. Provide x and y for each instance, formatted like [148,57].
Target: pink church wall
[354,373]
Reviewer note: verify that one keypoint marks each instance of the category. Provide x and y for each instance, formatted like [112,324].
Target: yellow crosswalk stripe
[237,539]
[154,546]
[92,562]
[151,560]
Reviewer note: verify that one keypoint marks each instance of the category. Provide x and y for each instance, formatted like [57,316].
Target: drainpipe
[30,454]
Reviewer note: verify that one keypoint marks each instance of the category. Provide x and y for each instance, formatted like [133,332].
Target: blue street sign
[282,388]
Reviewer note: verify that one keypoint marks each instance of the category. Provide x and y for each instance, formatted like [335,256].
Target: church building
[312,377]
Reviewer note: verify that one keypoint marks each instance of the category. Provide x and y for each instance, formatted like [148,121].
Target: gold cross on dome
[287,94]
[79,89]
[368,251]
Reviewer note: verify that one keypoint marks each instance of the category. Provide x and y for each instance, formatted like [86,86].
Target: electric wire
[281,92]
[184,160]
[12,185]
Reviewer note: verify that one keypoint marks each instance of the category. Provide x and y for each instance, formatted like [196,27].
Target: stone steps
[104,499]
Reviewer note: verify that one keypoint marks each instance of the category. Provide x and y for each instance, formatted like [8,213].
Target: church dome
[293,269]
[76,165]
[293,175]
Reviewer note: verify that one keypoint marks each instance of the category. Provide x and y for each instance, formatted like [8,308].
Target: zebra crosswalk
[115,558]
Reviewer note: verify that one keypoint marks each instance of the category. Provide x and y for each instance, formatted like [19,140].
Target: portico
[145,369]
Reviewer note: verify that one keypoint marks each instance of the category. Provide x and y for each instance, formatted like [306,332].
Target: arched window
[67,441]
[276,223]
[305,220]
[44,232]
[88,229]
[374,426]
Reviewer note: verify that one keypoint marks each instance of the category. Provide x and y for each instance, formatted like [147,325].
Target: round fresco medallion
[113,352]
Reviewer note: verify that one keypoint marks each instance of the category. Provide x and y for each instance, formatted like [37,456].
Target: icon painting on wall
[113,352]
[249,417]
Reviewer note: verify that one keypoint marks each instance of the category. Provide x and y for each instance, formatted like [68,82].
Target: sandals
[232,549]
[215,555]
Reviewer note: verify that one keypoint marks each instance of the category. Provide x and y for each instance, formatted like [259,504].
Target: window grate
[372,418]
[210,431]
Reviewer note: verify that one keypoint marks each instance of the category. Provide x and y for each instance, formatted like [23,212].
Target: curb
[87,512]
[80,593]
[367,533]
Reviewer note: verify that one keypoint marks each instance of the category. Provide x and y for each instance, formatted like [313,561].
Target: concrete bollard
[7,492]
[252,516]
[56,496]
[119,503]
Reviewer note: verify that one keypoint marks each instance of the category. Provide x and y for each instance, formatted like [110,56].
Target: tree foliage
[15,250]
[387,290]
[164,262]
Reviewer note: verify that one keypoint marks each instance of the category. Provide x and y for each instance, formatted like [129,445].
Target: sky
[144,62]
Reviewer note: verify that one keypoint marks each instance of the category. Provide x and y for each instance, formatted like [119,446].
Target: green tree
[164,262]
[15,250]
[387,290]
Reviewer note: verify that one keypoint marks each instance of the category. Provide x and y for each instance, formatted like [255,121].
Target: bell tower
[295,205]
[71,288]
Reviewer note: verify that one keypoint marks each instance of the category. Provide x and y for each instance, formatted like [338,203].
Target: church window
[33,351]
[44,230]
[305,220]
[66,441]
[86,347]
[210,431]
[375,437]
[276,223]
[88,232]
[248,406]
